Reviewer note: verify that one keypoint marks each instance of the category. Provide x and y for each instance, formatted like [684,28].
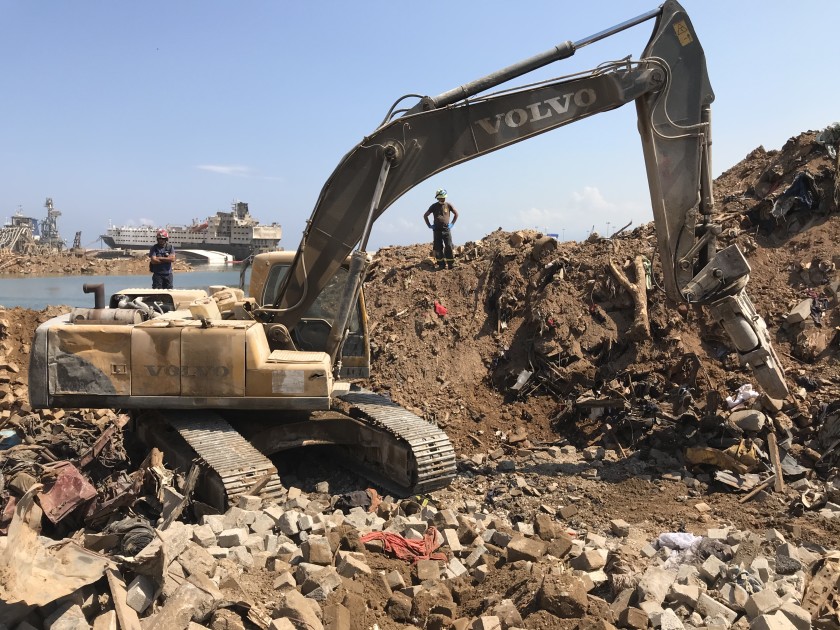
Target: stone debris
[724,578]
[560,408]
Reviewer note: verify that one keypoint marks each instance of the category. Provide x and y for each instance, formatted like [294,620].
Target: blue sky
[160,112]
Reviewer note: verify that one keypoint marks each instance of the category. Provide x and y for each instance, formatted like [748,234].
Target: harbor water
[38,292]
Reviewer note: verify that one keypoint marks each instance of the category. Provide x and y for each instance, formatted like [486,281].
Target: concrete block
[105,621]
[480,573]
[317,550]
[474,558]
[501,539]
[446,519]
[427,570]
[219,553]
[216,522]
[67,617]
[668,620]
[521,548]
[237,517]
[797,615]
[789,550]
[254,543]
[305,570]
[394,580]
[734,596]
[595,540]
[140,593]
[709,607]
[351,566]
[249,502]
[589,560]
[526,529]
[632,617]
[648,551]
[305,522]
[337,617]
[197,559]
[761,567]
[263,524]
[775,621]
[655,584]
[762,603]
[204,535]
[232,537]
[306,612]
[620,527]
[451,537]
[711,569]
[284,579]
[455,569]
[288,522]
[399,607]
[327,579]
[568,511]
[188,602]
[490,622]
[241,556]
[684,594]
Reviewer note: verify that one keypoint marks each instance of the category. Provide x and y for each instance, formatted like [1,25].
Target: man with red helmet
[161,257]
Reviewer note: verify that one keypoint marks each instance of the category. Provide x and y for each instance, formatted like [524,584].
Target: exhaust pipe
[98,291]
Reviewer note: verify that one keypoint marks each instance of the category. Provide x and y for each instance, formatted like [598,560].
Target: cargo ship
[236,233]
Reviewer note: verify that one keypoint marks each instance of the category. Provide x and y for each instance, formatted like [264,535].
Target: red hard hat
[162,234]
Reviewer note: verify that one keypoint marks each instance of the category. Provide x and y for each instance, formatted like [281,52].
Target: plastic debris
[745,394]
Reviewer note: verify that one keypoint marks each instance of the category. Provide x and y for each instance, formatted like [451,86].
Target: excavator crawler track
[431,450]
[231,457]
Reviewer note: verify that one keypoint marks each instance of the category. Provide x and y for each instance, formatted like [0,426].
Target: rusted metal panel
[65,492]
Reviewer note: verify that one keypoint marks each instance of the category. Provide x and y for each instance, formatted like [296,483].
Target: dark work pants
[442,246]
[162,280]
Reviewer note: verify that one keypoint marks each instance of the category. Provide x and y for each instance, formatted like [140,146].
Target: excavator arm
[671,89]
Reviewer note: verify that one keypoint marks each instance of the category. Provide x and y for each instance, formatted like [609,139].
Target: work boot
[450,265]
[441,265]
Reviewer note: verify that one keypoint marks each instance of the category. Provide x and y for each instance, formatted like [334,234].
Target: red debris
[67,491]
[410,549]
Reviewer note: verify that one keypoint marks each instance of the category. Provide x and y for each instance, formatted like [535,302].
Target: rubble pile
[307,563]
[89,263]
[617,467]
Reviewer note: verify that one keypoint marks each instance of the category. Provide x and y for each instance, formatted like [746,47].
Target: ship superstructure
[236,233]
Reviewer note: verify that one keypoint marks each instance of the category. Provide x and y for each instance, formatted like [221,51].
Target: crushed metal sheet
[67,491]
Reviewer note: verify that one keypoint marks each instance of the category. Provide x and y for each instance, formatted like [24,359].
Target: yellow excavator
[238,378]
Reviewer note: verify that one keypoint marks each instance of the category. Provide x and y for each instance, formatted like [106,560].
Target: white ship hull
[235,233]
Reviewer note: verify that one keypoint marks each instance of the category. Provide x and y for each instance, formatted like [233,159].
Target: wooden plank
[757,489]
[773,446]
[126,615]
[189,486]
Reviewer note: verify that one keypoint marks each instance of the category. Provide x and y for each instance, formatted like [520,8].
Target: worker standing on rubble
[443,216]
[161,257]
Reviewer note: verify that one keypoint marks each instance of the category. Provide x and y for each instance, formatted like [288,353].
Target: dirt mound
[521,307]
[73,264]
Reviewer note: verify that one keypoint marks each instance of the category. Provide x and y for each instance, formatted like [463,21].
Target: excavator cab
[311,333]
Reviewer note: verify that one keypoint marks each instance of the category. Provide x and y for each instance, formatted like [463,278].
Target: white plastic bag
[745,394]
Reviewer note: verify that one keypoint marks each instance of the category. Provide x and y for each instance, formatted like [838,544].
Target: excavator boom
[671,89]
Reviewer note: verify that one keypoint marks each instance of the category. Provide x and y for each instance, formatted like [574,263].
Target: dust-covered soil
[528,346]
[93,263]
